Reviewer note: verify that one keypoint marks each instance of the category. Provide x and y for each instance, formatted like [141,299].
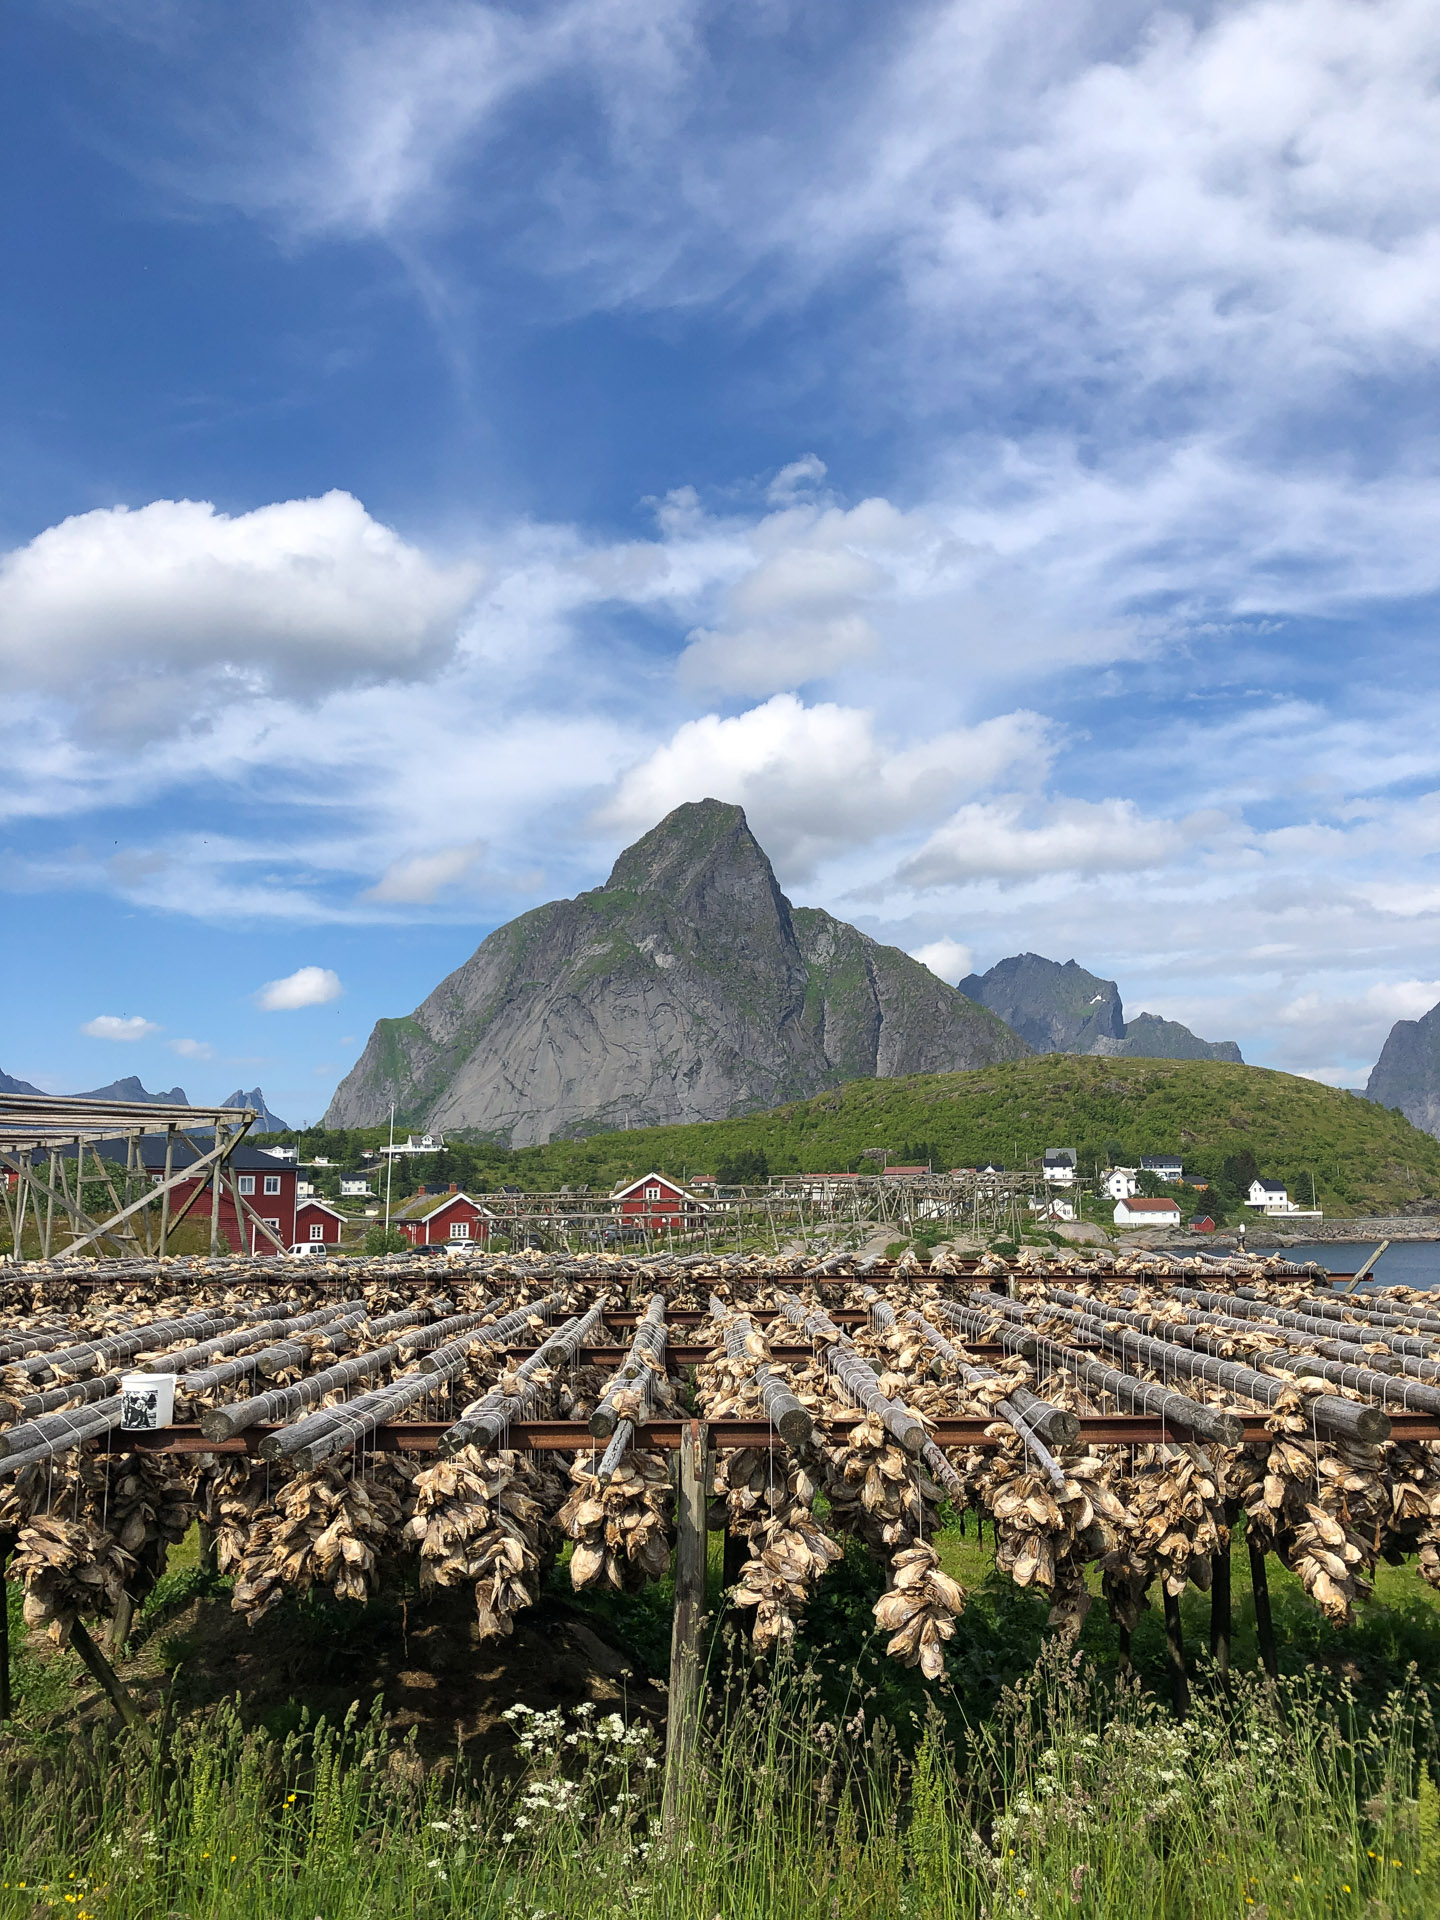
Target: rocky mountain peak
[701,843]
[683,989]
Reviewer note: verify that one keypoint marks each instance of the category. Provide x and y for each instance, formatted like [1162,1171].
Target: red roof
[1151,1206]
[907,1170]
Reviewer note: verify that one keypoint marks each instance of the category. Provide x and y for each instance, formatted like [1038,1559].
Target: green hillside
[1363,1158]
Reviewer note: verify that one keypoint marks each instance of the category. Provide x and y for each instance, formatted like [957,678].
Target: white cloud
[815,781]
[118,1026]
[144,618]
[306,987]
[950,960]
[796,478]
[996,839]
[193,1049]
[417,879]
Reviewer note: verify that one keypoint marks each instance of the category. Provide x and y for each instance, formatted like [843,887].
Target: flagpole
[389,1166]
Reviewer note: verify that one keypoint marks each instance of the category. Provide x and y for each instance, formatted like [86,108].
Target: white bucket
[147,1402]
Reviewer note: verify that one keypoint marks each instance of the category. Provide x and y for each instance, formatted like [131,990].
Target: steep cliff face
[683,989]
[1407,1074]
[1064,1009]
[878,1014]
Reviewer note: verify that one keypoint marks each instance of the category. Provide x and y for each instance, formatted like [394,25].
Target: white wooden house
[1122,1183]
[1147,1213]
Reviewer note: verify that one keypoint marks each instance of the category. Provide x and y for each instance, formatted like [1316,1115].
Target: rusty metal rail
[568,1436]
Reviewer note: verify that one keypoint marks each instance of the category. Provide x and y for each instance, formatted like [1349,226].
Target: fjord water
[1405,1263]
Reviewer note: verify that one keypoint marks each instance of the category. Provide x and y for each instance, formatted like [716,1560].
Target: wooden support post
[105,1675]
[1124,1661]
[1175,1653]
[221,1134]
[49,1240]
[682,1718]
[165,1194]
[118,1631]
[208,1561]
[737,1552]
[1264,1623]
[1220,1609]
[7,1541]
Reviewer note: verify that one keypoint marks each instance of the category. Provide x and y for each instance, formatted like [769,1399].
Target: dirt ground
[422,1657]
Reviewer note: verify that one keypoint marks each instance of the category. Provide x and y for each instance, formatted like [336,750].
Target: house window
[247,1183]
[271,1223]
[317,1230]
[459,1229]
[652,1193]
[272,1183]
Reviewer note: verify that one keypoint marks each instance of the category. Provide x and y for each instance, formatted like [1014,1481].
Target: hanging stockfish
[68,1566]
[1320,1505]
[315,1438]
[919,1608]
[745,1368]
[640,1381]
[520,1390]
[621,1525]
[481,1517]
[330,1528]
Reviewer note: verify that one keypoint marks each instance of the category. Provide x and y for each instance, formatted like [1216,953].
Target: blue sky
[995,446]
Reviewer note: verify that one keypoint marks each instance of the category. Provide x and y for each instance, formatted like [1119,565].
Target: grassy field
[836,1785]
[1363,1158]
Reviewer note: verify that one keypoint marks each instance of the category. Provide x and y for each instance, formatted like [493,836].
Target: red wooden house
[453,1219]
[655,1200]
[317,1223]
[266,1185]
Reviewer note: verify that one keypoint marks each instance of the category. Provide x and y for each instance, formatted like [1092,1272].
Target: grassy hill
[1364,1158]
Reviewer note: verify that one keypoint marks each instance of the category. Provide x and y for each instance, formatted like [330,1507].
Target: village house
[453,1219]
[904,1173]
[1058,1166]
[658,1201]
[358,1189]
[1165,1166]
[1053,1208]
[317,1224]
[1270,1195]
[1134,1212]
[1122,1183]
[267,1187]
[414,1143]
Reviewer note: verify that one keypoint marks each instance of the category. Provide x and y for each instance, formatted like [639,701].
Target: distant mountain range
[131,1088]
[686,988]
[1064,1009]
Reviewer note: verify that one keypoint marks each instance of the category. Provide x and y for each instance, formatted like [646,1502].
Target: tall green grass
[1072,1799]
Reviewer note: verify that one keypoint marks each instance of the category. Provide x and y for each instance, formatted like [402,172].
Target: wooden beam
[221,1140]
[1175,1653]
[1264,1620]
[1220,1608]
[120,1696]
[165,1189]
[7,1542]
[683,1715]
